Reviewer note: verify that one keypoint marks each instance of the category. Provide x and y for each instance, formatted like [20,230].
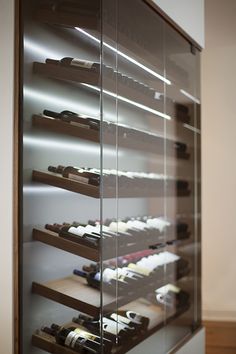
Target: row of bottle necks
[118,328]
[124,131]
[126,180]
[136,274]
[182,111]
[148,230]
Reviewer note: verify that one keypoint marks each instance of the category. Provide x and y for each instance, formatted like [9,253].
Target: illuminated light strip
[133,61]
[194,99]
[133,103]
[60,102]
[42,189]
[60,145]
[190,127]
[36,48]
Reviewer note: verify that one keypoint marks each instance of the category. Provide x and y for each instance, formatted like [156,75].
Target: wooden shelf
[52,239]
[58,126]
[157,321]
[61,127]
[126,44]
[57,180]
[74,292]
[90,252]
[80,75]
[60,72]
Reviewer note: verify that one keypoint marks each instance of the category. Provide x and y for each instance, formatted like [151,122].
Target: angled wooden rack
[58,126]
[56,180]
[60,72]
[52,239]
[93,253]
[86,76]
[74,292]
[157,321]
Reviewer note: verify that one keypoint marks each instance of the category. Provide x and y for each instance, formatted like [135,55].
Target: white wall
[6,173]
[219,163]
[188,14]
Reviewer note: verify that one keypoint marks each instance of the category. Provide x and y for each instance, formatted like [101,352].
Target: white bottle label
[121,319]
[112,326]
[133,316]
[71,339]
[76,334]
[82,63]
[85,334]
[78,178]
[73,230]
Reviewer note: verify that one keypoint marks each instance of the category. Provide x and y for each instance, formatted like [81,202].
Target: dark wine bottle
[132,319]
[110,281]
[74,119]
[78,339]
[71,233]
[115,331]
[77,174]
[77,63]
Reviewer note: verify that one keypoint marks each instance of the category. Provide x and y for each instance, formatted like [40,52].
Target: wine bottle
[181,147]
[132,319]
[172,296]
[78,339]
[77,174]
[74,119]
[77,63]
[113,330]
[110,278]
[71,233]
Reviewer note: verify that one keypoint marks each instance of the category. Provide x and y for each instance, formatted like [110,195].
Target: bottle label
[77,124]
[138,269]
[79,231]
[133,316]
[78,178]
[82,63]
[71,339]
[85,334]
[121,319]
[112,327]
[78,335]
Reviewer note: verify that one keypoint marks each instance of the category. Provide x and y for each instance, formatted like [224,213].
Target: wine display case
[110,224]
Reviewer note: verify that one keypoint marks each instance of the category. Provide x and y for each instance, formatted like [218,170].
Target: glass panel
[61,125]
[111,230]
[182,99]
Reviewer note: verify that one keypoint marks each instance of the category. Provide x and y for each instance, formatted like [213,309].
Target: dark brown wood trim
[173,23]
[16,180]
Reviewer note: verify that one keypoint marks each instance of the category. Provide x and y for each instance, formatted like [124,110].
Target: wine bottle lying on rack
[76,63]
[78,339]
[182,113]
[74,234]
[74,119]
[125,132]
[116,331]
[132,277]
[172,296]
[126,180]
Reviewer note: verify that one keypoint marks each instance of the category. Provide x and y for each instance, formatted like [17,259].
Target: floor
[220,337]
